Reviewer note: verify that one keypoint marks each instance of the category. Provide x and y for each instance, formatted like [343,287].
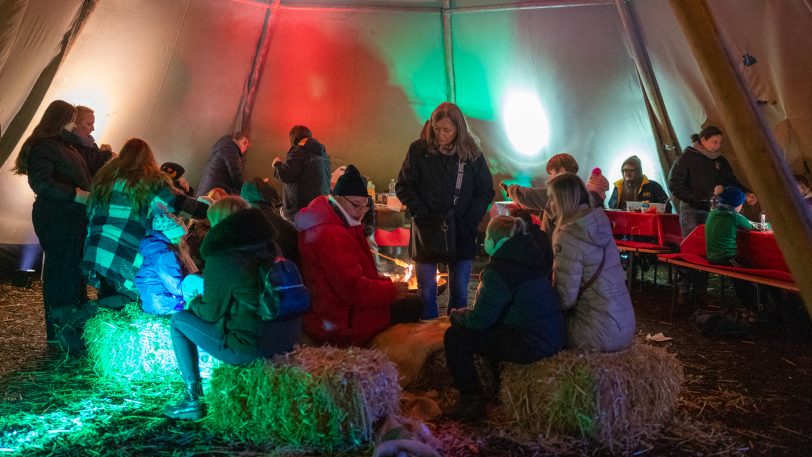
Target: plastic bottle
[371,189]
[392,187]
[762,218]
[714,201]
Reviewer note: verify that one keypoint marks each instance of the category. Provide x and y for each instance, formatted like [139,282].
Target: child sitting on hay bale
[162,271]
[516,316]
[224,321]
[587,271]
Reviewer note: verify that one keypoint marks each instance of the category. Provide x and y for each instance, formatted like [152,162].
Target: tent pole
[242,122]
[753,142]
[667,144]
[448,51]
[19,123]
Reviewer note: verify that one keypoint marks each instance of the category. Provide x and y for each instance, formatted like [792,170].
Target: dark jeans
[461,344]
[61,232]
[697,281]
[112,298]
[406,310]
[189,332]
[746,291]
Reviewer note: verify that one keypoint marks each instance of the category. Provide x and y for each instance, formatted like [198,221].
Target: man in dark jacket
[305,172]
[635,186]
[516,316]
[225,166]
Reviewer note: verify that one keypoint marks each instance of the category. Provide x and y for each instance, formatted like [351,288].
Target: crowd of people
[134,231]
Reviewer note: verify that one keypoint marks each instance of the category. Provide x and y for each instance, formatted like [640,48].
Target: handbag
[433,237]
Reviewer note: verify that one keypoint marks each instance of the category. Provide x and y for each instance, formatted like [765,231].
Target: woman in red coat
[351,302]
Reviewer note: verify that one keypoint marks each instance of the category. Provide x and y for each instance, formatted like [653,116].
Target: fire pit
[406,274]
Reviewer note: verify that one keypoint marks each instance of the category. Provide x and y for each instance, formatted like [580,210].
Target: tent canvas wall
[365,75]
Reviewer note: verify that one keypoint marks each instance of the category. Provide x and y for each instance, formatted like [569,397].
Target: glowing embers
[525,122]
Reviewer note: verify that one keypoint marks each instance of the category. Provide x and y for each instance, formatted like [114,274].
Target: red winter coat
[350,301]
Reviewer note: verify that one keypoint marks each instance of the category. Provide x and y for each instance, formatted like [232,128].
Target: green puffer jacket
[233,249]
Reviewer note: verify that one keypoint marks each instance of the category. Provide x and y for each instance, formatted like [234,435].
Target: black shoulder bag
[433,237]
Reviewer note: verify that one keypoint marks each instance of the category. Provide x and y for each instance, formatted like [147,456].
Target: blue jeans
[459,273]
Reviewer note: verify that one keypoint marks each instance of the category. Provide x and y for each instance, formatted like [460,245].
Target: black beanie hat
[174,170]
[351,184]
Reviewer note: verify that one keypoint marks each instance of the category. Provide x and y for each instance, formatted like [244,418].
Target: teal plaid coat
[116,229]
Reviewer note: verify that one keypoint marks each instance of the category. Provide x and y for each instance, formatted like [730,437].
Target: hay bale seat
[312,398]
[616,399]
[133,347]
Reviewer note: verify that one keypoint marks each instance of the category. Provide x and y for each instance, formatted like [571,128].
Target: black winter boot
[469,408]
[191,407]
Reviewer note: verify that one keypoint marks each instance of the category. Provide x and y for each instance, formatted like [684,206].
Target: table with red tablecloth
[664,228]
[760,250]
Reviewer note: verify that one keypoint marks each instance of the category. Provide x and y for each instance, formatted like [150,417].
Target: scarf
[711,155]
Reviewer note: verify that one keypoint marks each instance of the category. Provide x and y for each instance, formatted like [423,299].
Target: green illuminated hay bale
[313,398]
[617,399]
[132,346]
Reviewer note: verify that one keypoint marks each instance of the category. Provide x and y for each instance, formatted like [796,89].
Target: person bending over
[351,302]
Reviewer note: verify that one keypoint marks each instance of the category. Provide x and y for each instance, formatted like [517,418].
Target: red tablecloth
[759,250]
[392,238]
[663,227]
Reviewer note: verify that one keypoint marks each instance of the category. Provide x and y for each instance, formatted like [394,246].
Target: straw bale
[131,346]
[312,398]
[616,399]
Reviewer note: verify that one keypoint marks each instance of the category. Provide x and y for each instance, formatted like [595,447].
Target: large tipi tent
[602,79]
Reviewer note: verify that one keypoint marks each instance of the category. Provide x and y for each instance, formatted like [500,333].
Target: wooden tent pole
[667,141]
[242,121]
[448,51]
[753,142]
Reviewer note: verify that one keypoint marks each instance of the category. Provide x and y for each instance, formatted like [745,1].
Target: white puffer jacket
[602,317]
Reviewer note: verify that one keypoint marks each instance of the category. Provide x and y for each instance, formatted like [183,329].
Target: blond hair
[568,193]
[225,207]
[504,227]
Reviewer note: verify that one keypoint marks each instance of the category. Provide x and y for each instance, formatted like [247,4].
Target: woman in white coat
[587,272]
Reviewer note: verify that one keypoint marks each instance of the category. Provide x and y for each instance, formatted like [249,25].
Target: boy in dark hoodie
[516,317]
[305,172]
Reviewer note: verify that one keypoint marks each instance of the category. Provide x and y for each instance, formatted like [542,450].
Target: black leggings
[61,231]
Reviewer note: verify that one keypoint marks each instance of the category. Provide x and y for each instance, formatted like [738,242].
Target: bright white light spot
[525,122]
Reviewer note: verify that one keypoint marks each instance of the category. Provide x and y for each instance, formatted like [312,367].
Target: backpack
[282,294]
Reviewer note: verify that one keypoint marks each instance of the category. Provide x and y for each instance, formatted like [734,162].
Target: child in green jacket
[721,227]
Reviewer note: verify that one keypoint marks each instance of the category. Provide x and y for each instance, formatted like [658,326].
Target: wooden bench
[635,249]
[757,280]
